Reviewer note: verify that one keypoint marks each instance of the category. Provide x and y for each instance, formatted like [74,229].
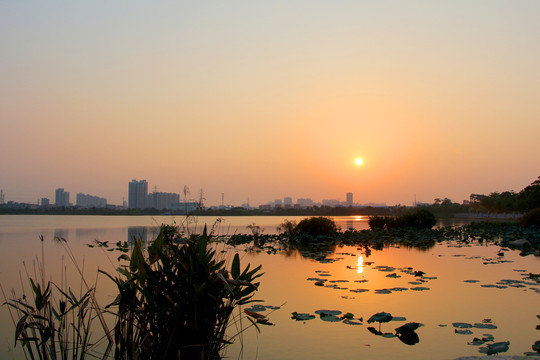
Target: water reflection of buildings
[90,233]
[137,233]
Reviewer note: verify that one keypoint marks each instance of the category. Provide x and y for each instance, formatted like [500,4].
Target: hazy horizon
[269,99]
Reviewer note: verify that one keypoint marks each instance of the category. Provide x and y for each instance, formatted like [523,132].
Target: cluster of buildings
[139,198]
[85,201]
[303,203]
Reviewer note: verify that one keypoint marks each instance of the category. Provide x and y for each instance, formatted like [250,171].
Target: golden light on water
[360,266]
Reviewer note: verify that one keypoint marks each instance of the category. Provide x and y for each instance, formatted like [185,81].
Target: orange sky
[270,99]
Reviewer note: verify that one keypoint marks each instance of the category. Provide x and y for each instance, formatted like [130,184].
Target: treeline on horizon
[505,202]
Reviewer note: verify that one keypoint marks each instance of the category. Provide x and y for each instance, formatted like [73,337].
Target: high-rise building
[349,198]
[162,200]
[90,201]
[61,197]
[44,202]
[138,194]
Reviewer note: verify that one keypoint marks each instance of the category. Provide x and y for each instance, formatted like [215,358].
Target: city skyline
[264,100]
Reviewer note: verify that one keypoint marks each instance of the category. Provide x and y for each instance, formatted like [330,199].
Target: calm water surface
[448,300]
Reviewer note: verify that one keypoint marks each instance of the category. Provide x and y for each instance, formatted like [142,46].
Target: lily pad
[495,348]
[393,275]
[463,332]
[302,316]
[398,289]
[399,318]
[461,325]
[328,312]
[419,288]
[330,318]
[484,326]
[352,322]
[348,315]
[359,290]
[383,291]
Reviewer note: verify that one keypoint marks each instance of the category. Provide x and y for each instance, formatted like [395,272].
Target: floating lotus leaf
[398,289]
[476,342]
[388,335]
[494,286]
[328,312]
[536,346]
[319,283]
[359,290]
[461,325]
[352,322]
[407,327]
[383,291]
[348,315]
[415,282]
[360,281]
[420,288]
[463,332]
[257,308]
[495,348]
[302,316]
[398,318]
[393,275]
[471,281]
[330,318]
[380,317]
[484,326]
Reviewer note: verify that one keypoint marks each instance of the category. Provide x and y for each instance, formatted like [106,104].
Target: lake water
[449,299]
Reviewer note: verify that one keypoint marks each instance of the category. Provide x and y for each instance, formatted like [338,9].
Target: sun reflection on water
[360,267]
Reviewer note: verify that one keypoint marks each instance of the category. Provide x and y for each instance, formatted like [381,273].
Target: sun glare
[358,161]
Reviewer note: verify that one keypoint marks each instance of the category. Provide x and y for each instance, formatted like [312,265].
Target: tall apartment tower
[349,198]
[61,197]
[138,194]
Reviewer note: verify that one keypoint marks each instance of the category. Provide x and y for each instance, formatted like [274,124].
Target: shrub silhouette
[315,226]
[532,218]
[176,300]
[419,219]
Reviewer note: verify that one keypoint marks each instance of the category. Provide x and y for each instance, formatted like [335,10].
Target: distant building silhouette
[305,202]
[138,194]
[90,201]
[349,200]
[61,197]
[162,200]
[44,202]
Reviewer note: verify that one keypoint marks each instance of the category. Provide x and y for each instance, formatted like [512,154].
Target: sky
[267,99]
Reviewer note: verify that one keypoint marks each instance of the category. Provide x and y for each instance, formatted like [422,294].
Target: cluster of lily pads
[508,235]
[322,280]
[406,333]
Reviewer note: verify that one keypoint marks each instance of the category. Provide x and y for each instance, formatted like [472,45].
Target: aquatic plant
[316,226]
[418,219]
[54,323]
[176,299]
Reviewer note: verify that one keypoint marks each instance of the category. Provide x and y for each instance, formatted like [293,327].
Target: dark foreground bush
[175,300]
[532,218]
[419,219]
[316,226]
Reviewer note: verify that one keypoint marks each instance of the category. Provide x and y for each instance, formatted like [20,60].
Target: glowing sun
[359,161]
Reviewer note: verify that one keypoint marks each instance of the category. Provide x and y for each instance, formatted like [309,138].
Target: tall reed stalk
[54,323]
